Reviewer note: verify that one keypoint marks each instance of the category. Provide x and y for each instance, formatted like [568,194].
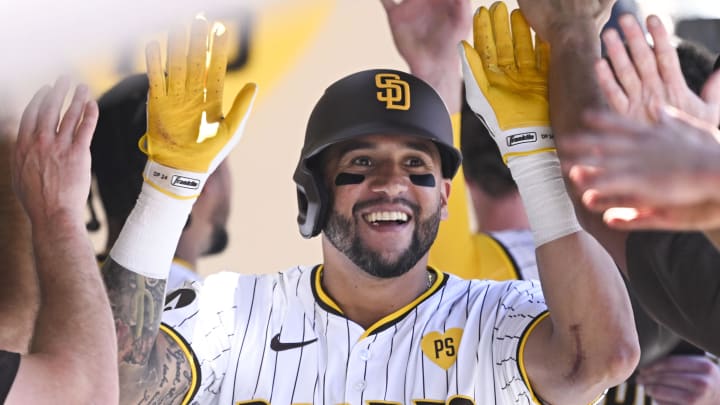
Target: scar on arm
[574,372]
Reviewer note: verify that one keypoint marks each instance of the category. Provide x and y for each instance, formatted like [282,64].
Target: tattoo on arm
[137,303]
[153,367]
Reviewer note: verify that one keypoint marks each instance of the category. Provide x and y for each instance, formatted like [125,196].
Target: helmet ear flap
[312,199]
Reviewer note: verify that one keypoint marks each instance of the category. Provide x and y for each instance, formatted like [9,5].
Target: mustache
[379,201]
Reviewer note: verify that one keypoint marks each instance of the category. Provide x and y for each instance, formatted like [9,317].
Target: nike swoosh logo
[279,346]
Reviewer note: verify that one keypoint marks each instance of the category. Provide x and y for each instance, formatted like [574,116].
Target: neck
[366,299]
[187,251]
[498,214]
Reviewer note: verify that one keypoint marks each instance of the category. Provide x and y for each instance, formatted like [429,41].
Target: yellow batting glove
[505,78]
[187,136]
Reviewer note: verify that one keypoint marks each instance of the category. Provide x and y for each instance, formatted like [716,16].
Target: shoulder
[484,292]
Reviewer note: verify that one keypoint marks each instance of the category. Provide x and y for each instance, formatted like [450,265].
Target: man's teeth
[386,216]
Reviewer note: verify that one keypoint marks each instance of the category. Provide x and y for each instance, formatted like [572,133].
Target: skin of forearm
[573,89]
[714,237]
[446,79]
[590,312]
[74,323]
[19,295]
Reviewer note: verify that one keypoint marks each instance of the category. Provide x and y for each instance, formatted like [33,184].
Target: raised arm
[572,29]
[589,335]
[426,34]
[187,138]
[655,161]
[19,298]
[73,350]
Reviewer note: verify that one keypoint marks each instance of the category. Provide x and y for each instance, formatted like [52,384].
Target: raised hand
[647,176]
[559,19]
[186,127]
[645,79]
[426,32]
[692,380]
[506,81]
[52,156]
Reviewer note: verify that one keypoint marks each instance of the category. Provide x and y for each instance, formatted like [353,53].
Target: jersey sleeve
[9,364]
[520,310]
[200,318]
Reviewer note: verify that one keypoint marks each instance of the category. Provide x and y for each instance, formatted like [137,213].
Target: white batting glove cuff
[176,183]
[148,241]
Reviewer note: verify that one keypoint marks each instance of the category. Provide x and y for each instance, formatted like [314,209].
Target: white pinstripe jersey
[279,339]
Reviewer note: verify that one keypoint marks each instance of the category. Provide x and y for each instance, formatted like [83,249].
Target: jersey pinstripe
[280,339]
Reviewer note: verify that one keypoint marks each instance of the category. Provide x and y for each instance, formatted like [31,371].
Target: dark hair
[482,163]
[117,162]
[696,62]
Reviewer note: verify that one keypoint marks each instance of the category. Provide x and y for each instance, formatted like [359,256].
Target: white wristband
[148,240]
[550,212]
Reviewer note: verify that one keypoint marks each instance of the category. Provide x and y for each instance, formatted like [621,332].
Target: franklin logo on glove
[185,182]
[524,137]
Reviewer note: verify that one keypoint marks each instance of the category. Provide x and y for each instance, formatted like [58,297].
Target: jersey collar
[327,303]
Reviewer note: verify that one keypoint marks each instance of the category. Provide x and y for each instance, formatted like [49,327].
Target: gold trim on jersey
[521,353]
[191,358]
[439,279]
[322,295]
[183,263]
[494,260]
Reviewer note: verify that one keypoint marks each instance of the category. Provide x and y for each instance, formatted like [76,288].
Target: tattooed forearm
[136,303]
[173,378]
[153,368]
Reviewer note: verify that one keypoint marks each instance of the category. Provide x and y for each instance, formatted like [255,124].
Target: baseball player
[73,354]
[372,323]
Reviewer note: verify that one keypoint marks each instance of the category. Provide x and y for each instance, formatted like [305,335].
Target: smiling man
[373,323]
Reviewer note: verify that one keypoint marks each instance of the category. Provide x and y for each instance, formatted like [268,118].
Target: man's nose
[390,180]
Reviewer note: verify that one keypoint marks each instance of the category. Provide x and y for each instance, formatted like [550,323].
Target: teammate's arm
[187,138]
[572,27]
[19,296]
[426,35]
[589,336]
[661,162]
[73,353]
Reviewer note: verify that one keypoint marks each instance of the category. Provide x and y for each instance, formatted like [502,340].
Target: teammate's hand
[187,135]
[506,81]
[640,83]
[692,380]
[52,156]
[427,31]
[643,176]
[556,20]
[426,34]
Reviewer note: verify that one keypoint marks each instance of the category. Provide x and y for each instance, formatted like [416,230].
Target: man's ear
[445,186]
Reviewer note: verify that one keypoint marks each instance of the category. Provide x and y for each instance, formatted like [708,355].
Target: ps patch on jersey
[441,348]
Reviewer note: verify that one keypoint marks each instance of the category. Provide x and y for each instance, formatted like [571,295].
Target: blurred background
[292,49]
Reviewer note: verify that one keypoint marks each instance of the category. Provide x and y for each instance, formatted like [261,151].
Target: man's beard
[341,231]
[218,241]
